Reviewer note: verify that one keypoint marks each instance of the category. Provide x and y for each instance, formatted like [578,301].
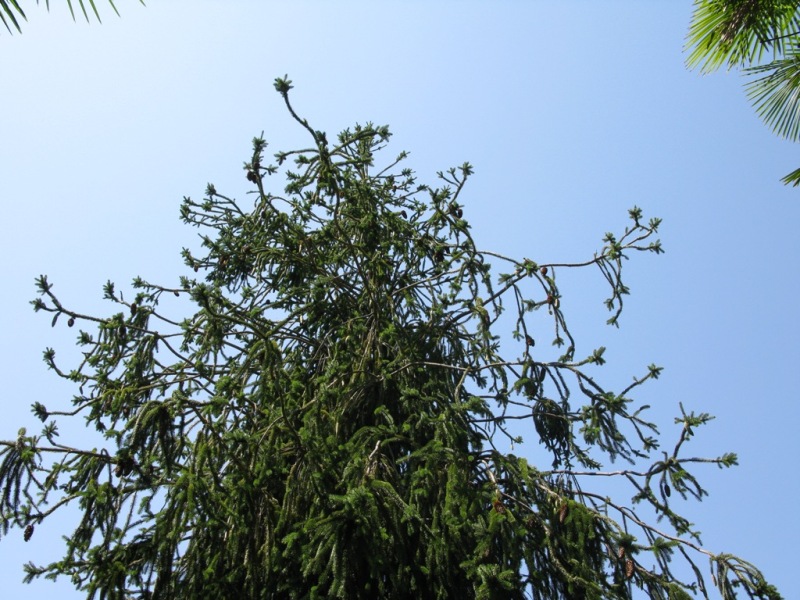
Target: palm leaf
[6,14]
[776,94]
[739,32]
[10,10]
[94,9]
[792,178]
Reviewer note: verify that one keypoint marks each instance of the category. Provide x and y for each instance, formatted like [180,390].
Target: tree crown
[331,418]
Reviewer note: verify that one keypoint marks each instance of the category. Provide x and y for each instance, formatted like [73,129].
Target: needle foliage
[332,419]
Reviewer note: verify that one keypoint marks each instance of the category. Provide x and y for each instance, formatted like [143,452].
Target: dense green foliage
[333,418]
[741,33]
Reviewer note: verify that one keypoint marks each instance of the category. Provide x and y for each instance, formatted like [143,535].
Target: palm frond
[792,178]
[86,13]
[6,14]
[10,10]
[740,32]
[776,94]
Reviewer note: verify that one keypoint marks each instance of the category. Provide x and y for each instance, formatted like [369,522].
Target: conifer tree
[333,418]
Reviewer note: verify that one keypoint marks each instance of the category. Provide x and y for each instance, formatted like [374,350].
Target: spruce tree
[334,418]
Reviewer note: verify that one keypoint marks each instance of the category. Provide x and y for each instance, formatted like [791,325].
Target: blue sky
[570,112]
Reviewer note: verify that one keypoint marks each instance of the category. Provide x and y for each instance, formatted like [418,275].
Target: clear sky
[570,112]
